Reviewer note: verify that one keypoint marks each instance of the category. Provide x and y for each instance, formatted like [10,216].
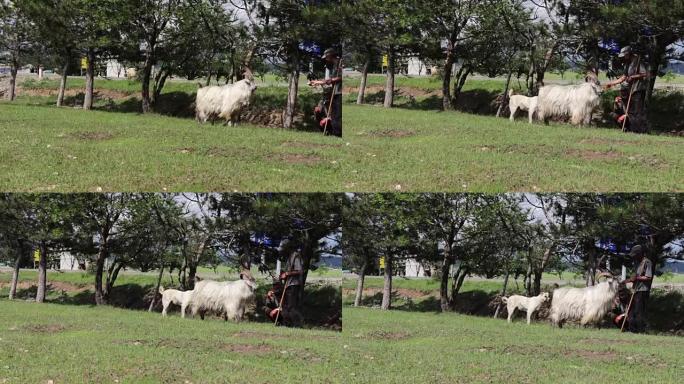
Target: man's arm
[330,81]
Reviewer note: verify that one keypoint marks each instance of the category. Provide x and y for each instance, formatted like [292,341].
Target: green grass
[452,151]
[51,149]
[75,344]
[397,346]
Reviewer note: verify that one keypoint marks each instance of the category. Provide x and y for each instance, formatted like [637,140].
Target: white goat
[229,299]
[224,102]
[522,103]
[588,305]
[576,101]
[527,304]
[174,296]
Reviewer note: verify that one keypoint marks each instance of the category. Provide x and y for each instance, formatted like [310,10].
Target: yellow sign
[382,263]
[385,60]
[36,255]
[84,63]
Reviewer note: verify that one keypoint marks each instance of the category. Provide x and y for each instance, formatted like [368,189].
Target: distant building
[116,70]
[674,266]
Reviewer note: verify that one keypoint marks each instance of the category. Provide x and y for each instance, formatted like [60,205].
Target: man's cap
[625,51]
[329,51]
[636,250]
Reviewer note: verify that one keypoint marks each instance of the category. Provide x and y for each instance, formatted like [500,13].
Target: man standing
[641,285]
[293,277]
[332,93]
[634,82]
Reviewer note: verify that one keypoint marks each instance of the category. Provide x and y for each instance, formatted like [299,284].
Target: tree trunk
[160,81]
[42,274]
[147,74]
[112,274]
[591,271]
[13,83]
[359,285]
[536,288]
[387,288]
[528,279]
[292,91]
[90,81]
[444,282]
[541,70]
[446,81]
[463,272]
[389,84]
[505,96]
[156,288]
[100,298]
[503,293]
[460,81]
[62,82]
[15,276]
[364,79]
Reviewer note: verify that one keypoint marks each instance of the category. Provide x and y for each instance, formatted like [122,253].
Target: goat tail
[510,92]
[161,290]
[504,299]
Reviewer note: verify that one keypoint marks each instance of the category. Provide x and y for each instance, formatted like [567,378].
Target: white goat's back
[229,298]
[575,101]
[588,305]
[223,101]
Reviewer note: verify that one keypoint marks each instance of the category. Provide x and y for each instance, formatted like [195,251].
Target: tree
[451,25]
[359,234]
[17,40]
[151,22]
[57,26]
[101,31]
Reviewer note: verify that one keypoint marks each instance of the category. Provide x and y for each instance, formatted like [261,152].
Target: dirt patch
[259,335]
[184,150]
[393,133]
[410,293]
[597,141]
[247,348]
[593,155]
[591,355]
[52,286]
[299,144]
[608,341]
[93,136]
[384,335]
[297,158]
[98,93]
[400,91]
[44,328]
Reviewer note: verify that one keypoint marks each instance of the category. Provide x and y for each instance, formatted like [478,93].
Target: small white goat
[174,296]
[588,305]
[229,299]
[527,304]
[522,103]
[224,102]
[576,101]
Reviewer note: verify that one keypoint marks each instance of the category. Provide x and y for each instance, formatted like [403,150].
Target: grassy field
[452,151]
[44,148]
[82,344]
[396,346]
[75,344]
